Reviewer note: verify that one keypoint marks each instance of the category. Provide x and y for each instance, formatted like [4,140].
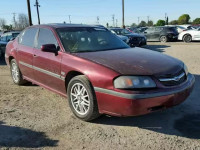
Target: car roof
[62,25]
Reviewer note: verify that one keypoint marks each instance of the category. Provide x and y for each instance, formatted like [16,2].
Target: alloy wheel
[80,99]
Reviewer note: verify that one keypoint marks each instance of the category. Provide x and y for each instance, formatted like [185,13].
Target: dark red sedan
[97,71]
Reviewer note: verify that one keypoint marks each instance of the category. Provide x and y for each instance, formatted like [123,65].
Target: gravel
[33,117]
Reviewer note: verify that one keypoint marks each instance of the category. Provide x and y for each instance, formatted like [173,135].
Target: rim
[163,39]
[15,72]
[188,38]
[80,99]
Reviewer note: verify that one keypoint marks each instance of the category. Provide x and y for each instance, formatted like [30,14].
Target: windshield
[88,39]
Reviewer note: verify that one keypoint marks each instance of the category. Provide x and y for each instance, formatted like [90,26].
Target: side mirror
[50,48]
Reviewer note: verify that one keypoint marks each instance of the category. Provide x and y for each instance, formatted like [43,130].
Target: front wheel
[82,99]
[187,38]
[16,73]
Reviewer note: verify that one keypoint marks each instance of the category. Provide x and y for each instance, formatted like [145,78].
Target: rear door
[47,65]
[25,51]
[149,33]
[157,33]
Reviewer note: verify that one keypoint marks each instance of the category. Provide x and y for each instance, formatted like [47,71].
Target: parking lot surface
[33,117]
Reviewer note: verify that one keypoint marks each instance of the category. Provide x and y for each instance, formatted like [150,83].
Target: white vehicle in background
[190,35]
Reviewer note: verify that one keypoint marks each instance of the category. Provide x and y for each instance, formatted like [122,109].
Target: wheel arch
[10,58]
[71,75]
[185,35]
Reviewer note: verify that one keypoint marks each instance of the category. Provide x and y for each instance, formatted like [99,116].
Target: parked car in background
[134,38]
[141,30]
[98,72]
[5,38]
[163,34]
[190,35]
[124,38]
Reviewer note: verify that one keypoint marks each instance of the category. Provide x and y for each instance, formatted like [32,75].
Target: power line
[37,7]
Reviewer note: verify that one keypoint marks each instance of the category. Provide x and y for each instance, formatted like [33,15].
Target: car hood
[135,61]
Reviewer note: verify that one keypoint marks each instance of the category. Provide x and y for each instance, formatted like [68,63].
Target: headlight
[186,69]
[134,82]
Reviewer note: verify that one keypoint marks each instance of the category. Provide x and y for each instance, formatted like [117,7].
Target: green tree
[173,22]
[196,21]
[7,27]
[184,19]
[142,24]
[133,25]
[160,23]
[150,23]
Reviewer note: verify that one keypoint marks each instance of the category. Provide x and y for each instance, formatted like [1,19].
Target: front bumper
[123,104]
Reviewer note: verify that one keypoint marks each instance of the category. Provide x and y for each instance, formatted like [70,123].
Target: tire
[187,38]
[1,53]
[82,99]
[16,73]
[163,39]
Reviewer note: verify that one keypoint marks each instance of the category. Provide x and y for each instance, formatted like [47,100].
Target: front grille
[174,80]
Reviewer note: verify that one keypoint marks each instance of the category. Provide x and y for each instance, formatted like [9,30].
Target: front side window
[46,37]
[27,38]
[89,39]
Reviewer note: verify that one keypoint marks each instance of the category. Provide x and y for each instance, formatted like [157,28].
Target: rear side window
[46,37]
[28,37]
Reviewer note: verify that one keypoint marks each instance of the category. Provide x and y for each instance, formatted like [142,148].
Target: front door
[25,51]
[47,65]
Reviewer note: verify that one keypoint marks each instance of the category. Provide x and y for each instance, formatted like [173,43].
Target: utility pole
[148,18]
[70,19]
[29,12]
[138,20]
[113,19]
[37,7]
[14,21]
[123,25]
[97,19]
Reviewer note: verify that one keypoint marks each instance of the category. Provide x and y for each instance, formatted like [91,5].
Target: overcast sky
[86,11]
